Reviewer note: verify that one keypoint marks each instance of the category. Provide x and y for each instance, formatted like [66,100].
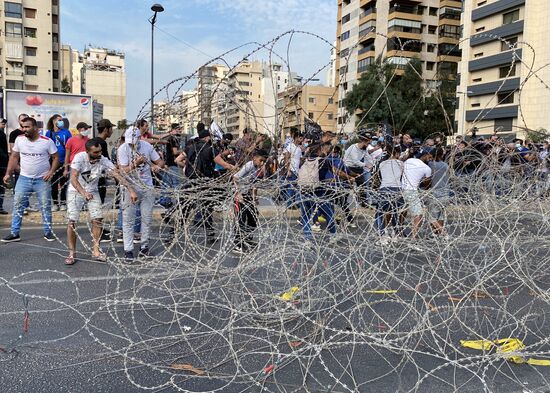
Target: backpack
[308,174]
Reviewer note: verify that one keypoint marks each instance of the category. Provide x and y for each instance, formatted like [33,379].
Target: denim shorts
[75,202]
[413,202]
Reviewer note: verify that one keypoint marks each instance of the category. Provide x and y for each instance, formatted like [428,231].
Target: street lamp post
[156,8]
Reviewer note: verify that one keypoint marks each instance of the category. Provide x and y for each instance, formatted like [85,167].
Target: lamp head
[157,8]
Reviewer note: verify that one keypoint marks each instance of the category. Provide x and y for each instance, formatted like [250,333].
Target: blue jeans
[308,204]
[388,203]
[289,188]
[137,224]
[171,179]
[23,189]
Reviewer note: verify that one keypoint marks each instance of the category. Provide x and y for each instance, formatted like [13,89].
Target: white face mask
[85,133]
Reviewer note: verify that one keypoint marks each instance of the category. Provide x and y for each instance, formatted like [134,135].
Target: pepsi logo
[84,102]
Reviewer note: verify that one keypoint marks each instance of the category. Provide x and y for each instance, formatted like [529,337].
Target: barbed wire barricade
[358,310]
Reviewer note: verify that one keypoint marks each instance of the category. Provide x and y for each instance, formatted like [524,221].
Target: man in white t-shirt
[32,153]
[292,156]
[87,168]
[137,158]
[415,171]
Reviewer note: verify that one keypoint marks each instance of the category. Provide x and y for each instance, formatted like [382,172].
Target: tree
[402,101]
[65,86]
[122,124]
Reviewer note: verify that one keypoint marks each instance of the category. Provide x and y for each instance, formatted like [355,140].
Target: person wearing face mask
[76,145]
[32,153]
[3,162]
[87,168]
[57,132]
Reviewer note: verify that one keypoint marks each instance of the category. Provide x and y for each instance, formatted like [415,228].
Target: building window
[13,10]
[310,115]
[510,17]
[31,70]
[430,65]
[344,36]
[508,44]
[55,74]
[55,37]
[55,56]
[507,71]
[505,124]
[55,19]
[30,32]
[31,87]
[331,100]
[432,29]
[346,18]
[30,13]
[505,98]
[30,51]
[433,11]
[311,100]
[16,85]
[476,105]
[431,48]
[330,116]
[14,29]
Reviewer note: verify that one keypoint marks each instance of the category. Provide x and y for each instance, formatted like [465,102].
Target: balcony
[366,49]
[451,3]
[407,12]
[367,15]
[14,73]
[367,34]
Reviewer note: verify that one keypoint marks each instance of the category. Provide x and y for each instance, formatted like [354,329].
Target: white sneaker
[352,225]
[63,208]
[385,240]
[55,208]
[316,228]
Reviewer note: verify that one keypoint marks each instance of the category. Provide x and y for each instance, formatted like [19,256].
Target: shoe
[105,237]
[49,237]
[63,208]
[31,209]
[55,208]
[316,228]
[137,238]
[129,256]
[385,240]
[119,239]
[144,252]
[352,225]
[239,250]
[3,212]
[26,212]
[11,238]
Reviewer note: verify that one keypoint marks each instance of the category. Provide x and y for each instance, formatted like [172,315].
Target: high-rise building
[30,45]
[300,104]
[209,80]
[498,90]
[98,72]
[397,30]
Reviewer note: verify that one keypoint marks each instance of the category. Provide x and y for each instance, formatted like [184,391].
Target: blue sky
[194,32]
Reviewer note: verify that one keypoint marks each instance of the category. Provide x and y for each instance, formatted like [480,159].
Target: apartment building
[98,72]
[498,91]
[209,79]
[397,30]
[299,104]
[30,45]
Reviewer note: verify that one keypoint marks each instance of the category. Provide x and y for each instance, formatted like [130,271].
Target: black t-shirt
[104,147]
[14,134]
[172,143]
[200,160]
[3,150]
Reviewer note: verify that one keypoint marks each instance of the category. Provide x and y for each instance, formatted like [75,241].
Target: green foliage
[122,124]
[402,101]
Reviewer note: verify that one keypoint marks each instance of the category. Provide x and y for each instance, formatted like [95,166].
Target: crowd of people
[397,176]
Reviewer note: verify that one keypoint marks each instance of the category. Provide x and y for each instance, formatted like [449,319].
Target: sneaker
[385,240]
[3,212]
[137,238]
[63,208]
[119,239]
[316,228]
[144,252]
[31,209]
[352,225]
[239,250]
[105,237]
[49,237]
[55,208]
[129,256]
[11,238]
[26,212]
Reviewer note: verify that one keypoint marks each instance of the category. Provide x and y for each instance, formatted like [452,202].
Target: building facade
[98,72]
[30,49]
[397,30]
[299,104]
[498,90]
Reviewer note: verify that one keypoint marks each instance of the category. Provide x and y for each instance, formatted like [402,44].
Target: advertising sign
[41,106]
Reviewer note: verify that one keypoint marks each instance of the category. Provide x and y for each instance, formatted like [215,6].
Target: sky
[193,32]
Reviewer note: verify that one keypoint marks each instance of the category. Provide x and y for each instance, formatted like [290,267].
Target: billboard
[41,106]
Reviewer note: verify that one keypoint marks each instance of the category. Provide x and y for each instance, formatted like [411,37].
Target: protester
[104,132]
[292,155]
[360,163]
[4,157]
[246,201]
[137,158]
[32,152]
[75,145]
[86,170]
[57,132]
[389,195]
[439,196]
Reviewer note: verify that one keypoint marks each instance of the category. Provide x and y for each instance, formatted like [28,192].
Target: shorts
[75,202]
[413,202]
[436,206]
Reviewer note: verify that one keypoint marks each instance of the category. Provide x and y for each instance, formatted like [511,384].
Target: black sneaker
[144,252]
[11,238]
[49,237]
[129,256]
[3,212]
[105,237]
